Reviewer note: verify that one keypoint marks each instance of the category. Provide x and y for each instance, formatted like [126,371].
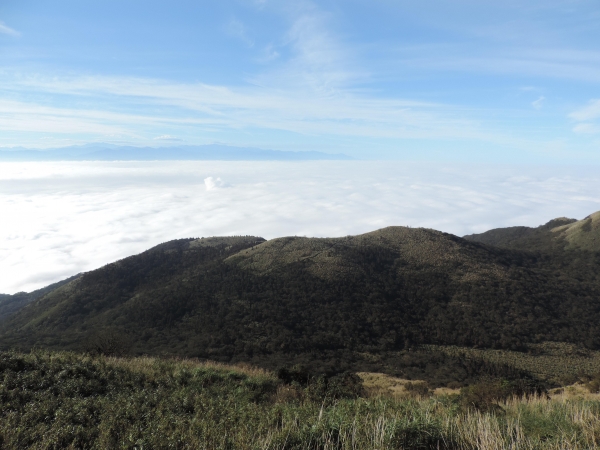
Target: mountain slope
[10,304]
[246,299]
[558,234]
[581,235]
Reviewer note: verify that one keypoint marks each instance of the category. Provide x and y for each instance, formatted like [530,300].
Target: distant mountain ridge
[247,299]
[111,152]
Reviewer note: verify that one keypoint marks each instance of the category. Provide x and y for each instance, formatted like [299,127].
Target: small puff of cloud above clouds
[213,183]
[4,29]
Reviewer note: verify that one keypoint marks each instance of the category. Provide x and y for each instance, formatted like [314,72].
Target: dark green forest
[357,303]
[10,304]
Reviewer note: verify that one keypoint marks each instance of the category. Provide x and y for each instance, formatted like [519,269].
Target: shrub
[298,374]
[107,343]
[418,389]
[594,384]
[486,395]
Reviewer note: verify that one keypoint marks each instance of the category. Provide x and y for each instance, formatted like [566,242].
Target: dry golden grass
[150,365]
[577,391]
[381,384]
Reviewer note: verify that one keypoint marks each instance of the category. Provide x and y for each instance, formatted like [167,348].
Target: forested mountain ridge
[10,304]
[247,299]
[331,258]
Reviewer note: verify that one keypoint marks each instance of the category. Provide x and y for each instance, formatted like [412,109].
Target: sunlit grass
[66,400]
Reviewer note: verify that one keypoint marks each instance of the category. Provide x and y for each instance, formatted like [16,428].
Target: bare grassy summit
[557,235]
[582,235]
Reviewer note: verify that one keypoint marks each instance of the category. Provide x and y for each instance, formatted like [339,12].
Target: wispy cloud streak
[4,29]
[342,113]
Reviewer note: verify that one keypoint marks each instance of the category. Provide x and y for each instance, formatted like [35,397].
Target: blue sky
[477,81]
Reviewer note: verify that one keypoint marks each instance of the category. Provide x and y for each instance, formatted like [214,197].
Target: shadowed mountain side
[246,299]
[558,234]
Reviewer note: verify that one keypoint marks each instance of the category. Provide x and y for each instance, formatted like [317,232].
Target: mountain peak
[583,234]
[558,234]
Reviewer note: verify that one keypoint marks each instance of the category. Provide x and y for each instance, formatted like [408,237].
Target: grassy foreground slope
[65,400]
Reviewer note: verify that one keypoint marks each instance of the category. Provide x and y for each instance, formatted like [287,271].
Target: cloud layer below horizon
[64,218]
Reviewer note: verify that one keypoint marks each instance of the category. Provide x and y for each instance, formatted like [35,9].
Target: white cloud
[307,93]
[4,29]
[545,62]
[585,116]
[589,112]
[213,183]
[586,128]
[537,104]
[32,117]
[78,216]
[167,137]
[304,111]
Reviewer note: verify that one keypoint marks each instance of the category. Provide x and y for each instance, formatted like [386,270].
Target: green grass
[62,400]
[556,362]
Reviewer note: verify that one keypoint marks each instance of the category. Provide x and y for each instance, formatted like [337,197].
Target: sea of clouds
[62,218]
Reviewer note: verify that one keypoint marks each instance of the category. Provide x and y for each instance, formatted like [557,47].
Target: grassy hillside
[557,235]
[65,400]
[581,235]
[332,302]
[554,362]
